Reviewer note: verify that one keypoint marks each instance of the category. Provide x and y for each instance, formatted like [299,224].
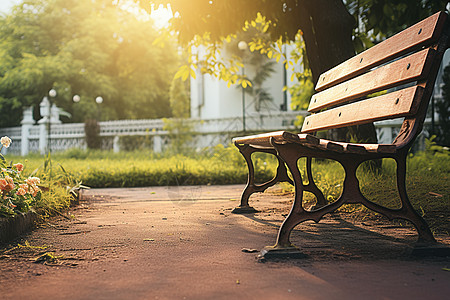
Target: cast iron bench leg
[312,187]
[290,153]
[425,235]
[406,212]
[252,187]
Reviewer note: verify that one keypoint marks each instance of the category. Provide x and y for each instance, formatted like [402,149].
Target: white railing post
[116,144]
[44,125]
[27,123]
[157,144]
[43,135]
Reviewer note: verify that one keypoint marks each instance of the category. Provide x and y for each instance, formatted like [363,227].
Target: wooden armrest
[281,137]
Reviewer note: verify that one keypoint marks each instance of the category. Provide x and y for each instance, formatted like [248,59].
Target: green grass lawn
[134,169]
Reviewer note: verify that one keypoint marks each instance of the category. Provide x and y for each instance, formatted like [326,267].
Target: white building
[211,98]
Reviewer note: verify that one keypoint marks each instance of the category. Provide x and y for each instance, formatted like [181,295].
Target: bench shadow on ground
[336,238]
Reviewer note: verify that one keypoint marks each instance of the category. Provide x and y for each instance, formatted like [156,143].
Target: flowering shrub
[17,194]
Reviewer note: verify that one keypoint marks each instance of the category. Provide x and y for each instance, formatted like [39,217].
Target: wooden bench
[405,67]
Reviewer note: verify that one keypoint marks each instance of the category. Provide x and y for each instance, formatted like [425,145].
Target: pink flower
[10,184]
[21,192]
[19,167]
[9,179]
[3,183]
[35,191]
[5,141]
[33,181]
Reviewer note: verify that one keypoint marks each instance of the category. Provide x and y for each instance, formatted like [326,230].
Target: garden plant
[18,194]
[44,190]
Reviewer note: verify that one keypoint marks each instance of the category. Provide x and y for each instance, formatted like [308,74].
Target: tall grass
[96,169]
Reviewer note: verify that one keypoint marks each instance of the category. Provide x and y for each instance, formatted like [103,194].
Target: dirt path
[184,243]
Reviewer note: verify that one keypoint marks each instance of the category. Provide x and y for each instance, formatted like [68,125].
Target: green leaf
[192,73]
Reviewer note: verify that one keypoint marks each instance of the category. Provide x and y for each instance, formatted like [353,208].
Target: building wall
[445,62]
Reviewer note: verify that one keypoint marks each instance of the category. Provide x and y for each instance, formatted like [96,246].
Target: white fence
[32,137]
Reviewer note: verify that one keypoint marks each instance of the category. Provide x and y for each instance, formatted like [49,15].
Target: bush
[135,142]
[92,131]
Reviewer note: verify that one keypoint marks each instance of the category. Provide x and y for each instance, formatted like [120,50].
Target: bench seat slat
[408,69]
[397,104]
[371,148]
[425,32]
[342,147]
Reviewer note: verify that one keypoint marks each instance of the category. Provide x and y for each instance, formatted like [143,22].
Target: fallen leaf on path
[48,258]
[74,232]
[148,240]
[435,194]
[247,250]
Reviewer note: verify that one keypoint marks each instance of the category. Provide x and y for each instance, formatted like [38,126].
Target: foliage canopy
[87,48]
[367,21]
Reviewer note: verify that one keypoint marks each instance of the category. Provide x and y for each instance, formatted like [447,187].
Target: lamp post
[99,100]
[52,94]
[242,45]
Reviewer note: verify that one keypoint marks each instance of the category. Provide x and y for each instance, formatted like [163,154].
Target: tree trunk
[327,30]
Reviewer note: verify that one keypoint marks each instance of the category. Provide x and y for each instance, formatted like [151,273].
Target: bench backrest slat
[397,104]
[421,34]
[404,67]
[408,69]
